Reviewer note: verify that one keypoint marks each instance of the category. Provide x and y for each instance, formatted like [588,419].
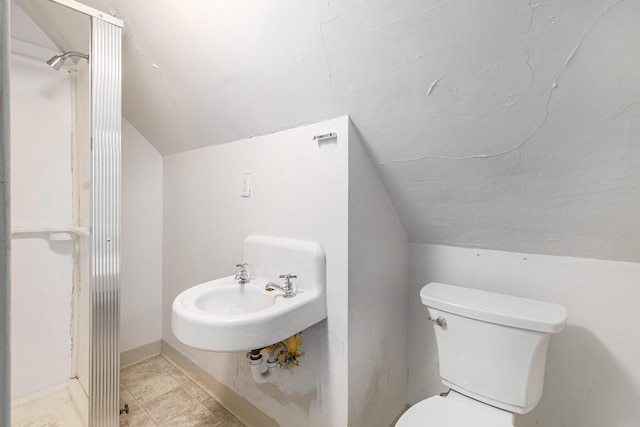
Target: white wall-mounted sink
[224,315]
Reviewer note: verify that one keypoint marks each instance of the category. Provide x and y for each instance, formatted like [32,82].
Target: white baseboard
[139,354]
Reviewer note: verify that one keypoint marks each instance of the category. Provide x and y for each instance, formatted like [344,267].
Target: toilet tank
[493,347]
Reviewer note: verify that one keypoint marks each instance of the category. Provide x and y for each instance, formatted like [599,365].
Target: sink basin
[226,298]
[226,316]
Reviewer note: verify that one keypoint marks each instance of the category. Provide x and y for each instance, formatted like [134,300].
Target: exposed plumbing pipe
[57,61]
[255,360]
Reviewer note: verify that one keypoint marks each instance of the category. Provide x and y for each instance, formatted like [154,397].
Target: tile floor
[160,394]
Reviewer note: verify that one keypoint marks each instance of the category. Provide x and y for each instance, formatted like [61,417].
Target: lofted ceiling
[500,124]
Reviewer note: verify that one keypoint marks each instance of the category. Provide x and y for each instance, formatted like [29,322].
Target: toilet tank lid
[495,308]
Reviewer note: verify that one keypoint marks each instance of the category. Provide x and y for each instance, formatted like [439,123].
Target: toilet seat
[455,410]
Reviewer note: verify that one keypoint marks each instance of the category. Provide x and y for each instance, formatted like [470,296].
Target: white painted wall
[25,30]
[299,190]
[141,248]
[593,375]
[378,263]
[81,165]
[41,195]
[502,124]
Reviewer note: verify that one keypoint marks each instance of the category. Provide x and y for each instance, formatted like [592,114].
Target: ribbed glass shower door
[106,117]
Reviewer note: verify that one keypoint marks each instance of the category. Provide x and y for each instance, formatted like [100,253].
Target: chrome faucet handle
[243,274]
[289,287]
[287,279]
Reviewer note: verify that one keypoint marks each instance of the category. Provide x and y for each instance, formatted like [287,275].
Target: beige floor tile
[139,371]
[232,422]
[126,397]
[136,418]
[169,405]
[180,376]
[158,393]
[195,390]
[150,388]
[163,363]
[198,416]
[216,409]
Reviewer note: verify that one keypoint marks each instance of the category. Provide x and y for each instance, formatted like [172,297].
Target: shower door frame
[106,128]
[105,59]
[104,241]
[5,223]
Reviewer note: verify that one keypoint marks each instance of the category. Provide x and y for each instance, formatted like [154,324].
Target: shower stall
[65,208]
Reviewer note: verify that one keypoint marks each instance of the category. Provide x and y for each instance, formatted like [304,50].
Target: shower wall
[41,187]
[141,252]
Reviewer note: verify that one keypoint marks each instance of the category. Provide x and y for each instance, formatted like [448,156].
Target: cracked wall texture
[501,124]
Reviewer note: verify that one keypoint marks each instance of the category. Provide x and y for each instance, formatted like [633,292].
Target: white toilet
[492,351]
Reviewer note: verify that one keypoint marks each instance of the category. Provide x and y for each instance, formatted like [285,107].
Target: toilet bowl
[492,352]
[454,410]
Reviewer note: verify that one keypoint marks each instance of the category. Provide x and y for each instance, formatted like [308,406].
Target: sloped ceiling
[501,124]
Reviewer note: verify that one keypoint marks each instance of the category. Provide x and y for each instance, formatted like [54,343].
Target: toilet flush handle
[440,321]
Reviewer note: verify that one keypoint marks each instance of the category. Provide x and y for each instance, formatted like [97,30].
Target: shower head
[57,61]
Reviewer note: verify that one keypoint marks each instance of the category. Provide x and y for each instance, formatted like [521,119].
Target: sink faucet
[243,276]
[289,288]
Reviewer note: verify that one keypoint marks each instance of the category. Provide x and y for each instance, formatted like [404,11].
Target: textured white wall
[502,124]
[299,190]
[378,262]
[593,375]
[42,271]
[141,248]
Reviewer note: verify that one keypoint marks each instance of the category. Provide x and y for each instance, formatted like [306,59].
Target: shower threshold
[64,404]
